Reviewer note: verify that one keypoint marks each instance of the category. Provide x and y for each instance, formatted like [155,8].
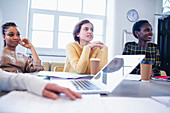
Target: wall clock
[132,15]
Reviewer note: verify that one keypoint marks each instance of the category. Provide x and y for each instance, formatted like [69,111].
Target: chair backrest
[57,66]
[46,66]
[128,37]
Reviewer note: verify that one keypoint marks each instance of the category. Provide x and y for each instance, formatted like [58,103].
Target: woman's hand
[25,43]
[52,91]
[96,44]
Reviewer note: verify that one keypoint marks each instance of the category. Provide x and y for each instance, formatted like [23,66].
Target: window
[51,22]
[166,6]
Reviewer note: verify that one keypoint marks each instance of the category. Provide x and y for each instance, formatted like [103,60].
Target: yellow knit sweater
[78,57]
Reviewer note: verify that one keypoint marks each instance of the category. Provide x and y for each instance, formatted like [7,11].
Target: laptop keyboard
[84,85]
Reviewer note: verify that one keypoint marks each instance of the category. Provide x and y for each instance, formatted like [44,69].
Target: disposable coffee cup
[145,70]
[94,66]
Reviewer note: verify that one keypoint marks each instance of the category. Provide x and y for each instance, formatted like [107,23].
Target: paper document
[24,102]
[132,105]
[60,74]
[162,99]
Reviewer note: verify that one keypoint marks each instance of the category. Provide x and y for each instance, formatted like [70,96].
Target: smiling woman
[17,62]
[142,30]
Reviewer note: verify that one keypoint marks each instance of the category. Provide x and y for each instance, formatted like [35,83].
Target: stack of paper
[24,102]
[133,105]
[61,75]
[162,99]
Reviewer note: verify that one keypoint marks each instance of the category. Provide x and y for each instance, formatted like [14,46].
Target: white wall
[16,10]
[117,20]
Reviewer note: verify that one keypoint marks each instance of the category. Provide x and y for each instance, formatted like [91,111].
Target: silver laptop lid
[118,68]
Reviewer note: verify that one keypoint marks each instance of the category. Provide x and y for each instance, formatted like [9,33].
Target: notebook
[107,79]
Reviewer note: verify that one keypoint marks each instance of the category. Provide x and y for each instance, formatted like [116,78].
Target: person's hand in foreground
[52,91]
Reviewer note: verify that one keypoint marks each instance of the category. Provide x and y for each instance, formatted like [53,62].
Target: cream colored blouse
[78,57]
[19,63]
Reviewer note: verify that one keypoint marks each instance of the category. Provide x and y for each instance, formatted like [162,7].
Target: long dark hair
[5,27]
[78,27]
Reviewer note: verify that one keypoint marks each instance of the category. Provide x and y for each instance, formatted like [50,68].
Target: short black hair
[137,26]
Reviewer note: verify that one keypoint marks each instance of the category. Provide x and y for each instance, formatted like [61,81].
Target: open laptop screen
[118,68]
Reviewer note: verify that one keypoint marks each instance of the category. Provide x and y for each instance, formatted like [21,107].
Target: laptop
[107,79]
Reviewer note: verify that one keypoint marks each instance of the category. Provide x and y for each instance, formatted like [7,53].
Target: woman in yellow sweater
[78,53]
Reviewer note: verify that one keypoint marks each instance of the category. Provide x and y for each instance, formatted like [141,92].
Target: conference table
[131,86]
[136,88]
[128,97]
